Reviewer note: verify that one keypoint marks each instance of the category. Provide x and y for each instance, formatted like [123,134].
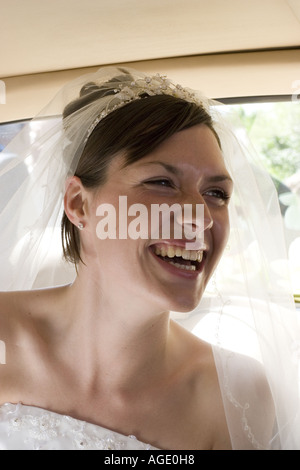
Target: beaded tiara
[130,90]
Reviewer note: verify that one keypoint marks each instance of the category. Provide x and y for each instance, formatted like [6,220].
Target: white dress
[25,427]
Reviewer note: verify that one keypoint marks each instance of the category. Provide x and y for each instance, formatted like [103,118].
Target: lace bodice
[32,428]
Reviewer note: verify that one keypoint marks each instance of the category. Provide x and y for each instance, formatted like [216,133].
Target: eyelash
[165,182]
[221,194]
[160,181]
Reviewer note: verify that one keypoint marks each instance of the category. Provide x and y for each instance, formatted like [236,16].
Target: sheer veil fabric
[247,312]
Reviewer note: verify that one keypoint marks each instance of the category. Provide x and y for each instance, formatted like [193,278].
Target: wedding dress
[31,428]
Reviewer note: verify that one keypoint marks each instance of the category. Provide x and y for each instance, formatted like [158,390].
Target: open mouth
[186,260]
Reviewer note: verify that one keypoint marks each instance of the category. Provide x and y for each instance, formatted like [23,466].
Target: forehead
[192,151]
[193,148]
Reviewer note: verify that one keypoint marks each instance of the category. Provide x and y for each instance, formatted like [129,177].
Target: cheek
[221,230]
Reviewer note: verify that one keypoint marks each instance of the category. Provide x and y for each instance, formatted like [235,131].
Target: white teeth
[171,251]
[177,251]
[157,250]
[191,267]
[163,251]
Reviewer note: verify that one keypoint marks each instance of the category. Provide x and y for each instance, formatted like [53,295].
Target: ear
[74,200]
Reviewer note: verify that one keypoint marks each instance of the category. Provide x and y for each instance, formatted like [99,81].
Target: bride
[111,358]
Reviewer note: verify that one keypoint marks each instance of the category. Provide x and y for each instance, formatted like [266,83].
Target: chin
[184,304]
[179,298]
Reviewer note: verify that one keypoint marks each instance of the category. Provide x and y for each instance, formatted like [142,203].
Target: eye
[220,195]
[164,182]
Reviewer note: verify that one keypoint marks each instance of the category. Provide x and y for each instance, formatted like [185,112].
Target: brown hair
[136,129]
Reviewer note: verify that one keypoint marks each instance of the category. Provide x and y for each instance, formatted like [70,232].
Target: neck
[120,336]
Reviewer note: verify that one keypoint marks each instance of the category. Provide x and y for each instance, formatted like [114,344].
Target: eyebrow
[167,166]
[217,178]
[176,171]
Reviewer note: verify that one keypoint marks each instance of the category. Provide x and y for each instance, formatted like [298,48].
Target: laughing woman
[130,341]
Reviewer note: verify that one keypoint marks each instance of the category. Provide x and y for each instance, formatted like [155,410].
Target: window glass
[274,131]
[8,131]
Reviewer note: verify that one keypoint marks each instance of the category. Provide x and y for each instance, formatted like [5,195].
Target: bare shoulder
[17,313]
[17,309]
[28,313]
[22,319]
[203,408]
[11,326]
[20,305]
[226,389]
[248,399]
[9,312]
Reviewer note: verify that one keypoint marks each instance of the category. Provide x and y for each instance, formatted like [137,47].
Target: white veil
[247,310]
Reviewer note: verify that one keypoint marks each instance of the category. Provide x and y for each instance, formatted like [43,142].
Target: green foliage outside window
[274,130]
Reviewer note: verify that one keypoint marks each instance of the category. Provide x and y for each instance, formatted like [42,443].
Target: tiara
[131,90]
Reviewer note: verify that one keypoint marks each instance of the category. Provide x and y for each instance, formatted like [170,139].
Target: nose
[198,216]
[195,219]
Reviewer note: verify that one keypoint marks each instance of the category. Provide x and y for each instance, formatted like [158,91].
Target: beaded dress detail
[32,428]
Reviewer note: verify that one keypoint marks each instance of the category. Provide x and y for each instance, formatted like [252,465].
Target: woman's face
[138,261]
